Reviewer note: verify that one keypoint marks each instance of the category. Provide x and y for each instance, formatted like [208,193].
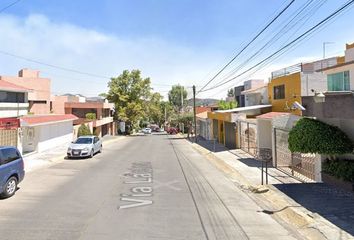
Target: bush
[313,136]
[342,169]
[91,116]
[83,130]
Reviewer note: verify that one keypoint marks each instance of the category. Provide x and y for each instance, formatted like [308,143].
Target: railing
[287,71]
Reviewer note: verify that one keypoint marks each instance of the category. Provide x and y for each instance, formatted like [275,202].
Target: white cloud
[67,45]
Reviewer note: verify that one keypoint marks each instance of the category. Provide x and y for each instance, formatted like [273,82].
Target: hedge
[90,116]
[84,130]
[342,169]
[313,136]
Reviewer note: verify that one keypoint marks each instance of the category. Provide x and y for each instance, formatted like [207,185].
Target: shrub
[342,169]
[83,130]
[313,136]
[91,116]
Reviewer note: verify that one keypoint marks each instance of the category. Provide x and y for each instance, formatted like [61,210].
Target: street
[143,187]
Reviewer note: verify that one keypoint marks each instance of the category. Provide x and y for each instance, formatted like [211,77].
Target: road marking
[140,174]
[167,185]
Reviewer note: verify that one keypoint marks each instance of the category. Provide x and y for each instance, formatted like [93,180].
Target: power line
[335,13]
[8,6]
[247,45]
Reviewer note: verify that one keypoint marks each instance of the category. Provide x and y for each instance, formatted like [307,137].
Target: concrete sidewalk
[36,161]
[245,171]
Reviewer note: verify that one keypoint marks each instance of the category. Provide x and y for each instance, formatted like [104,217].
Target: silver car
[84,146]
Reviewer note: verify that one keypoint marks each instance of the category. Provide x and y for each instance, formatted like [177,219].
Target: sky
[171,41]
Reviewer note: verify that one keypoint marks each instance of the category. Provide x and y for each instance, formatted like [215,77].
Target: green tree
[175,96]
[155,112]
[83,130]
[224,105]
[129,92]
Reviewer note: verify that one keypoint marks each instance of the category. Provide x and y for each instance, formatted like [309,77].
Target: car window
[9,155]
[83,141]
[96,139]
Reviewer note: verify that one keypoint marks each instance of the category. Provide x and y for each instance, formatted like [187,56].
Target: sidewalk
[36,161]
[285,198]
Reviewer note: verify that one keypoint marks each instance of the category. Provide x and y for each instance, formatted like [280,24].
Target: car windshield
[83,141]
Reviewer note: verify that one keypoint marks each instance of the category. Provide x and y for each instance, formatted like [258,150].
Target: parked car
[12,171]
[84,146]
[172,130]
[147,130]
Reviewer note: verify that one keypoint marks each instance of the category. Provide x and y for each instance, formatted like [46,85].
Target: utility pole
[182,125]
[324,48]
[195,116]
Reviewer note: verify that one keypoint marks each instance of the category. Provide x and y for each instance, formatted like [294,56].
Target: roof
[272,115]
[254,90]
[34,120]
[243,109]
[12,87]
[202,115]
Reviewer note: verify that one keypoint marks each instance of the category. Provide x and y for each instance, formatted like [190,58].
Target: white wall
[349,68]
[315,81]
[349,55]
[13,109]
[264,133]
[52,135]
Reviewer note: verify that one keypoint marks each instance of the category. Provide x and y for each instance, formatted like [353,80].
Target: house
[225,123]
[255,93]
[102,110]
[239,97]
[335,104]
[39,96]
[288,85]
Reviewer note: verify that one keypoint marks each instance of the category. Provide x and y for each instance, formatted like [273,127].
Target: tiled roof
[272,115]
[12,87]
[44,119]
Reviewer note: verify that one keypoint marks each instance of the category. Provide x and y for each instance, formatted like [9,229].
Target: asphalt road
[144,187]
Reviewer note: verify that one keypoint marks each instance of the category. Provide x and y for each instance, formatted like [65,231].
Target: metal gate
[248,137]
[298,165]
[8,137]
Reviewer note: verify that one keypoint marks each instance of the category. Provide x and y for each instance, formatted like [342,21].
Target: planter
[331,180]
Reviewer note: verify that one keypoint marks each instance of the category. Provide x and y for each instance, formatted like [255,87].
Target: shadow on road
[334,204]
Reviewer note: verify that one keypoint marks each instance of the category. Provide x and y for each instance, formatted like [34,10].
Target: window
[279,92]
[338,81]
[12,97]
[83,141]
[9,155]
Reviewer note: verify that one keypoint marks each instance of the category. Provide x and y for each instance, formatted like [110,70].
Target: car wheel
[92,153]
[10,187]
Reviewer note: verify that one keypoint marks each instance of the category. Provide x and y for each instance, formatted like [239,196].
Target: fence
[248,137]
[298,165]
[8,137]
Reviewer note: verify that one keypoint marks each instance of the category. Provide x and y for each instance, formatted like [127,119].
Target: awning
[244,109]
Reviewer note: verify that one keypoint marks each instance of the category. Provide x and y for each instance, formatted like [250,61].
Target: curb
[306,223]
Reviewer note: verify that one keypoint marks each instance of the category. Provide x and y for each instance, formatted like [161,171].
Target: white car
[147,130]
[84,146]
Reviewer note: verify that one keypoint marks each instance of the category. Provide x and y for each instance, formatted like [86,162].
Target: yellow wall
[220,116]
[292,84]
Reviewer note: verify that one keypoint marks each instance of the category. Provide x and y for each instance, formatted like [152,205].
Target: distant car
[12,171]
[84,146]
[147,130]
[156,129]
[172,130]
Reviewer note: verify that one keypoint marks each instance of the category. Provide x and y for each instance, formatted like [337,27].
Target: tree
[175,96]
[231,93]
[224,105]
[155,112]
[83,130]
[129,92]
[313,136]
